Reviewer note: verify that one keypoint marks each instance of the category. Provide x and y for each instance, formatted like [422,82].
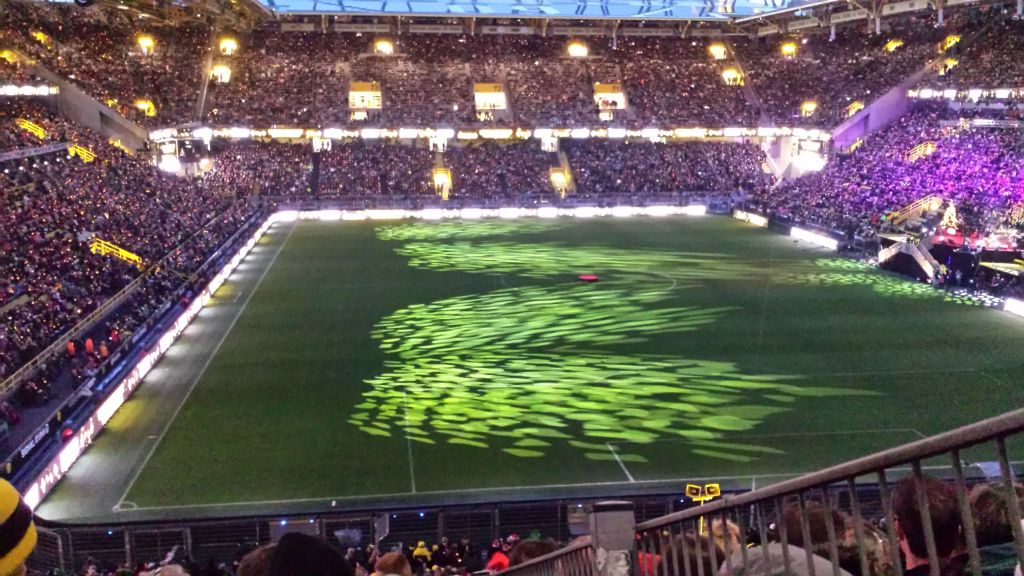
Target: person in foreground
[17,531]
[946,529]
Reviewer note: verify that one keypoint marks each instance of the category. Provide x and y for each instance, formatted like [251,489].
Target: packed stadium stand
[978,169]
[100,52]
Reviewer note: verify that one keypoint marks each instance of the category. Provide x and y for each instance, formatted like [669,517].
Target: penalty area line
[174,416]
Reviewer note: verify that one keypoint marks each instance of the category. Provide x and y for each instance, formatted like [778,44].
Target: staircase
[83,109]
[204,79]
[911,215]
[563,162]
[925,261]
[749,93]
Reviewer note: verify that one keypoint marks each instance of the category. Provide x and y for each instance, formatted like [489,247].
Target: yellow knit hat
[17,532]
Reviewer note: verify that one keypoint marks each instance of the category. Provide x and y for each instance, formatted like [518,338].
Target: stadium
[551,288]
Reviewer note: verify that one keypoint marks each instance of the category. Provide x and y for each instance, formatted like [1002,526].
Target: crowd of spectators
[605,169]
[295,78]
[55,127]
[809,527]
[296,553]
[253,168]
[52,205]
[97,49]
[492,172]
[382,173]
[376,171]
[835,73]
[303,78]
[11,70]
[671,82]
[979,170]
[666,81]
[988,59]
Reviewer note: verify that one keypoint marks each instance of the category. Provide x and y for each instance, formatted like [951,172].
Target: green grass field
[430,358]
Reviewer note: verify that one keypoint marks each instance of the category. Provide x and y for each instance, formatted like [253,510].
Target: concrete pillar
[613,536]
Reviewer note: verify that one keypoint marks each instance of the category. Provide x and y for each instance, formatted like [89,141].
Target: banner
[576,31]
[339,27]
[849,16]
[907,6]
[486,87]
[664,32]
[525,30]
[436,29]
[29,152]
[803,23]
[297,27]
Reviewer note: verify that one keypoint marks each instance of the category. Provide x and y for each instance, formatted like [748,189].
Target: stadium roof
[721,10]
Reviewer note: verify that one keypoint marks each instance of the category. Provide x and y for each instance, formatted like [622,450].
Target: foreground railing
[754,529]
[576,559]
[675,541]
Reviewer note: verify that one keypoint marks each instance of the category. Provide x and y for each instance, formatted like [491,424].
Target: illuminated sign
[814,238]
[577,49]
[146,44]
[228,46]
[14,90]
[384,47]
[750,217]
[364,96]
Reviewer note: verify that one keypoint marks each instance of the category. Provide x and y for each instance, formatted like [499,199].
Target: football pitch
[414,361]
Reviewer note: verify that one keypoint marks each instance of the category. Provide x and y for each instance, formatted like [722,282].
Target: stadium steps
[748,89]
[890,258]
[563,161]
[204,78]
[895,98]
[83,109]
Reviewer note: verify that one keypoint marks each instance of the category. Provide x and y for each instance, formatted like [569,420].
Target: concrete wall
[879,114]
[87,111]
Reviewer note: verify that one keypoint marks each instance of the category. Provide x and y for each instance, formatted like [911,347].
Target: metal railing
[798,511]
[767,530]
[27,370]
[576,559]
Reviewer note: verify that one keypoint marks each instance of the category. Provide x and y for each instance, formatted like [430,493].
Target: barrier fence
[832,490]
[775,528]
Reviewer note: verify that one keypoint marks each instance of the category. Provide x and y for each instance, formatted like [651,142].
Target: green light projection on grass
[536,318]
[524,402]
[523,368]
[464,229]
[844,272]
[550,259]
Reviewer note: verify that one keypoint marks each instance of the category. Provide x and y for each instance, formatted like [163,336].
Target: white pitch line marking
[408,442]
[206,365]
[619,460]
[328,500]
